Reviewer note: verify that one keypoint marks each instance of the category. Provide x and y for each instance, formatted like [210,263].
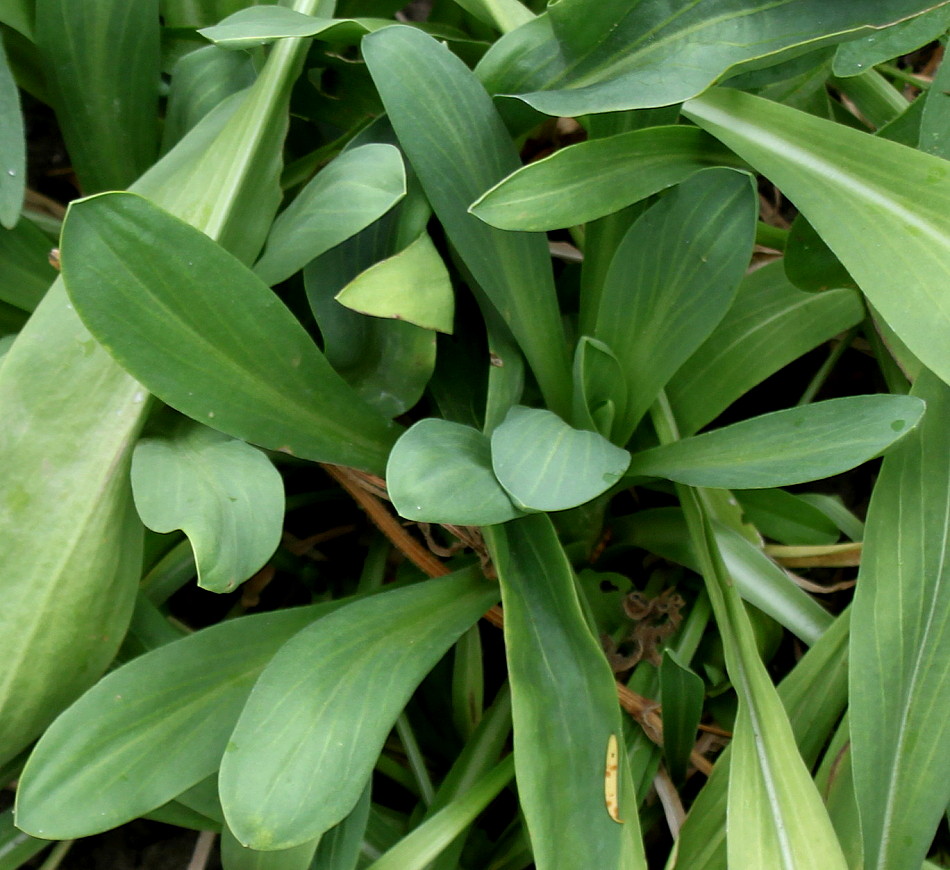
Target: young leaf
[441,472]
[681,694]
[898,648]
[224,494]
[546,465]
[12,147]
[769,325]
[832,173]
[151,729]
[316,721]
[785,517]
[672,279]
[354,190]
[126,264]
[791,446]
[565,710]
[594,178]
[413,286]
[459,147]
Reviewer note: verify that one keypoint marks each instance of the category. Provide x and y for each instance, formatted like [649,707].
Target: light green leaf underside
[899,668]
[413,286]
[345,197]
[899,249]
[441,472]
[546,465]
[791,446]
[316,721]
[224,494]
[208,337]
[769,325]
[151,729]
[594,178]
[12,147]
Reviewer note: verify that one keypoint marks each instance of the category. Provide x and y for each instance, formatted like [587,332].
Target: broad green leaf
[340,847]
[791,446]
[769,325]
[126,261]
[588,56]
[681,694]
[413,286]
[859,55]
[150,729]
[594,178]
[19,14]
[596,372]
[25,272]
[503,15]
[224,494]
[201,13]
[565,710]
[672,279]
[16,848]
[901,247]
[546,465]
[441,472]
[102,67]
[234,856]
[459,147]
[786,518]
[316,721]
[935,118]
[354,190]
[898,647]
[200,81]
[12,147]
[809,263]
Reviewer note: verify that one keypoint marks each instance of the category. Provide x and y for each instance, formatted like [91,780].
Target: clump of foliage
[308,236]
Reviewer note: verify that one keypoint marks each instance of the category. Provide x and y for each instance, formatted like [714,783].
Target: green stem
[818,381]
[417,763]
[903,76]
[874,96]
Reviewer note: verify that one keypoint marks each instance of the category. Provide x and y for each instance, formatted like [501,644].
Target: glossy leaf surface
[546,465]
[898,657]
[597,177]
[224,494]
[126,263]
[792,446]
[316,721]
[441,472]
[899,249]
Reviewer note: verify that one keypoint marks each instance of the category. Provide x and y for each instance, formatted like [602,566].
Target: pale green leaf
[899,690]
[809,442]
[224,494]
[594,178]
[441,472]
[546,465]
[12,147]
[899,249]
[785,517]
[316,721]
[126,262]
[413,285]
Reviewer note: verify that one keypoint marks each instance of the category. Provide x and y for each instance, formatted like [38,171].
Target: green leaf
[503,15]
[441,472]
[809,263]
[786,518]
[900,251]
[594,178]
[234,856]
[340,847]
[935,118]
[125,263]
[459,147]
[672,279]
[596,372]
[898,647]
[681,694]
[413,286]
[12,147]
[316,721]
[225,495]
[150,729]
[588,56]
[546,465]
[25,272]
[258,25]
[791,446]
[354,190]
[201,13]
[19,14]
[563,697]
[769,325]
[859,55]
[102,65]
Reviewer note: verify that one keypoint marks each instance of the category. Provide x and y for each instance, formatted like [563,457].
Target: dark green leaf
[935,117]
[12,147]
[126,263]
[809,263]
[546,465]
[25,272]
[681,694]
[786,518]
[316,721]
[859,55]
[441,472]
